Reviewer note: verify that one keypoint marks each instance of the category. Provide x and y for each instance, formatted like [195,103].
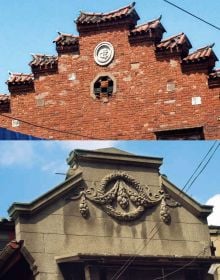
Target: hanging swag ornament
[123,198]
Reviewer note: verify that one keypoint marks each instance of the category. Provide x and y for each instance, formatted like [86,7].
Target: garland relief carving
[124,199]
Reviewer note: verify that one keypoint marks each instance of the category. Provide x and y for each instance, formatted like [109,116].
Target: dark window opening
[181,134]
[103,87]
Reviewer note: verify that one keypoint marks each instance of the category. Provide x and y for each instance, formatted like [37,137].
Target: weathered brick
[140,106]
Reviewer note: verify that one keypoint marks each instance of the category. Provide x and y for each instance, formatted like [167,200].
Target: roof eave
[17,209]
[114,158]
[201,211]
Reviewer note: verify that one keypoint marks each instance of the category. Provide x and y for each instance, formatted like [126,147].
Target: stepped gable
[20,82]
[136,53]
[67,43]
[93,21]
[44,64]
[177,44]
[4,103]
[150,31]
[201,59]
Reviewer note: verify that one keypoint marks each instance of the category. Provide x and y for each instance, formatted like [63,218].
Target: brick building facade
[117,80]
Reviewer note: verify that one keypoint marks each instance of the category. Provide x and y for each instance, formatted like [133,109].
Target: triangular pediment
[185,200]
[48,198]
[113,151]
[119,195]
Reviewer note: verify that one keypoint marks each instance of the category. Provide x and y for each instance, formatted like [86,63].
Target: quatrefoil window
[103,87]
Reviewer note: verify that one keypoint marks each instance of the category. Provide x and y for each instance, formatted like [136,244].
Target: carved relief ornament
[104,53]
[124,199]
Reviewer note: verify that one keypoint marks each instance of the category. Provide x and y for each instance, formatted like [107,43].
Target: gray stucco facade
[115,212]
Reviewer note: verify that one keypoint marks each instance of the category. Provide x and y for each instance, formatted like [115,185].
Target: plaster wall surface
[60,230]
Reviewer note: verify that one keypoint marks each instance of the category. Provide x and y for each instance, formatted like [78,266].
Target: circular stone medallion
[104,53]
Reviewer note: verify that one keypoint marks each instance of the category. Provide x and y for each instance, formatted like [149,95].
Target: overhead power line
[200,164]
[187,264]
[191,14]
[130,260]
[184,266]
[203,168]
[124,267]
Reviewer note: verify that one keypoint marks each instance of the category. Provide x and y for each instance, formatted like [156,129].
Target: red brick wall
[140,106]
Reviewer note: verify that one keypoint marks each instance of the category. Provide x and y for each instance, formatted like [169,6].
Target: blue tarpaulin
[6,134]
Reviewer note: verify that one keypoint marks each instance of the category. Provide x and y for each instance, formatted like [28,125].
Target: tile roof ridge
[130,6]
[67,34]
[201,49]
[156,19]
[44,55]
[14,76]
[206,47]
[20,74]
[172,37]
[148,22]
[62,34]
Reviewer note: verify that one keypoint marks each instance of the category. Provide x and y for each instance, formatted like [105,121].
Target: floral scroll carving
[123,198]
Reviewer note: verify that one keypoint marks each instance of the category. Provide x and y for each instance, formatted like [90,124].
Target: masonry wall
[141,105]
[60,230]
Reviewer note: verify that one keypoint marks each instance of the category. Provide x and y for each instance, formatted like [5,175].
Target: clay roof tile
[153,24]
[174,42]
[66,39]
[92,18]
[20,78]
[40,60]
[201,54]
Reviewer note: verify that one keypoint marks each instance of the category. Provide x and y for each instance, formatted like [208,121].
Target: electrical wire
[189,13]
[192,261]
[184,266]
[202,161]
[131,259]
[51,129]
[212,155]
